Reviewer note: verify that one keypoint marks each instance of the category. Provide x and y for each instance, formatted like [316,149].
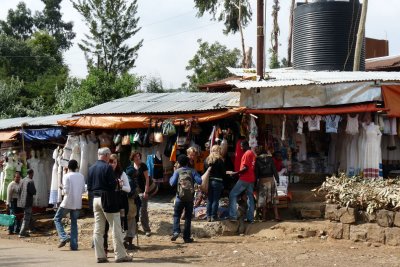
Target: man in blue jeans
[184,177]
[245,183]
[73,188]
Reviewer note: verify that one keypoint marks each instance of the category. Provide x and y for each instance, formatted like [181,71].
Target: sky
[170,29]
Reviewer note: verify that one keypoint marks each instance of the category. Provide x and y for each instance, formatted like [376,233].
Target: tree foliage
[226,11]
[98,87]
[50,20]
[210,63]
[112,23]
[153,84]
[19,23]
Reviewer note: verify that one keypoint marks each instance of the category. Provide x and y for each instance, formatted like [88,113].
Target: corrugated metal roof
[291,77]
[32,121]
[166,103]
[383,63]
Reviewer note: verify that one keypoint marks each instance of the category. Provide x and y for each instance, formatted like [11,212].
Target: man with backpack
[184,177]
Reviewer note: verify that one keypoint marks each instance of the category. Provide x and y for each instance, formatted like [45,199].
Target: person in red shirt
[245,183]
[278,162]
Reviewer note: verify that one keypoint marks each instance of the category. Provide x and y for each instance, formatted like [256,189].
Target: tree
[153,84]
[98,87]
[290,39]
[111,24]
[19,23]
[274,62]
[236,14]
[50,20]
[360,36]
[8,90]
[210,63]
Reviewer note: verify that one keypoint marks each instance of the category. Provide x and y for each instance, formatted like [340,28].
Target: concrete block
[385,218]
[392,236]
[358,232]
[397,219]
[366,217]
[311,214]
[347,215]
[229,228]
[375,234]
[346,231]
[331,212]
[336,230]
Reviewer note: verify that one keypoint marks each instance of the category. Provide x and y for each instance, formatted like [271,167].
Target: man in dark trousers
[25,201]
[101,181]
[245,183]
[184,178]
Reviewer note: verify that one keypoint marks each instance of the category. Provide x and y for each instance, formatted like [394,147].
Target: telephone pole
[260,39]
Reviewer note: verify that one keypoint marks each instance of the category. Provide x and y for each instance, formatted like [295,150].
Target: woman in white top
[125,188]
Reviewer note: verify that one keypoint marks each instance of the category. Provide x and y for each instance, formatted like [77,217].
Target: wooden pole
[360,36]
[260,39]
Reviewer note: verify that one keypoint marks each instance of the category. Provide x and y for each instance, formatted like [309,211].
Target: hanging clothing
[41,197]
[332,123]
[352,125]
[301,146]
[314,122]
[84,163]
[352,155]
[386,126]
[300,122]
[54,178]
[253,133]
[93,146]
[158,172]
[372,155]
[238,155]
[8,176]
[332,162]
[361,151]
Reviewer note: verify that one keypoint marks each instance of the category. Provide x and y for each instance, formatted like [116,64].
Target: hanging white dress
[84,163]
[253,133]
[361,151]
[352,154]
[93,146]
[54,179]
[372,155]
[40,179]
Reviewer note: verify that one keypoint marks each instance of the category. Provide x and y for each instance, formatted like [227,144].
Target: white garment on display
[332,123]
[93,146]
[76,152]
[352,155]
[41,186]
[253,133]
[352,124]
[393,126]
[84,164]
[300,125]
[301,146]
[314,122]
[54,178]
[372,155]
[386,126]
[361,150]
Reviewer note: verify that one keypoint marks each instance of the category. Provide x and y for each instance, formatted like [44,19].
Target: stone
[311,214]
[358,233]
[375,233]
[385,218]
[347,215]
[392,236]
[336,230]
[229,228]
[397,219]
[331,212]
[366,217]
[346,231]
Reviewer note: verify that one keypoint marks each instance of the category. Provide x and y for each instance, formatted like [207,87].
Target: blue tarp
[44,134]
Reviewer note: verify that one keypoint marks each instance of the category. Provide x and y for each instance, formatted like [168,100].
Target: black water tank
[325,34]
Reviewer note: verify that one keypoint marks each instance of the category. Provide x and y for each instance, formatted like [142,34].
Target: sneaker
[174,236]
[148,234]
[102,260]
[188,240]
[63,243]
[124,259]
[23,235]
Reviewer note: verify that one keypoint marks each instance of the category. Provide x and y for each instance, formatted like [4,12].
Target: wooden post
[260,39]
[360,36]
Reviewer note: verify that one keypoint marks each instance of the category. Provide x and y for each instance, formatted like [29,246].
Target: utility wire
[167,19]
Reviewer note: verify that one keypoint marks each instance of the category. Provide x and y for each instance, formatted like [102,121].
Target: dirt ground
[265,244]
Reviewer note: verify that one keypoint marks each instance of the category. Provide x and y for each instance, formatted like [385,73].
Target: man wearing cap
[101,180]
[73,184]
[25,201]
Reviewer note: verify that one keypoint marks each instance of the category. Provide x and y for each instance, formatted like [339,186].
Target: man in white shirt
[73,186]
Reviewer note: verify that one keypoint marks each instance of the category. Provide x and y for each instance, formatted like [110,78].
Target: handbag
[146,138]
[158,136]
[7,220]
[117,139]
[205,178]
[126,140]
[168,128]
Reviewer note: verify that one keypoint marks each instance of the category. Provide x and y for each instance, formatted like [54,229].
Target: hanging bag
[205,178]
[126,140]
[181,140]
[168,128]
[147,136]
[158,136]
